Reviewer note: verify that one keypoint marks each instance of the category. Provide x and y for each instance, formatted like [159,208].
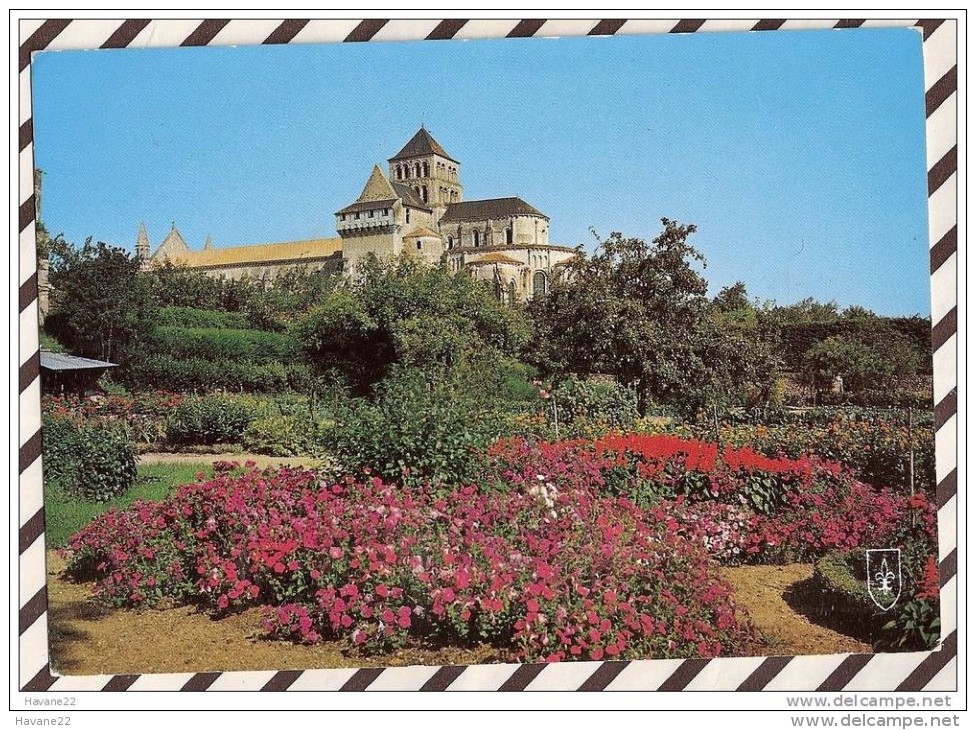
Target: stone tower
[429,171]
[142,246]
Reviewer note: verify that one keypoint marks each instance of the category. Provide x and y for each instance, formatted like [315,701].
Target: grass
[65,516]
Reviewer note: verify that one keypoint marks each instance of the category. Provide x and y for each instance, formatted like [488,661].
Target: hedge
[223,345]
[95,462]
[192,374]
[206,318]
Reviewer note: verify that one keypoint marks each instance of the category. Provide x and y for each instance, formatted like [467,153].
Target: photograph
[485,351]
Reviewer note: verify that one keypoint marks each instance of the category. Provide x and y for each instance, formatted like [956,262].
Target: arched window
[426,170]
[475,238]
[511,291]
[539,284]
[423,193]
[509,237]
[399,172]
[416,170]
[450,242]
[408,215]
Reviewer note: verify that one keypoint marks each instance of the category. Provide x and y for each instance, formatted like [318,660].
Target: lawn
[64,516]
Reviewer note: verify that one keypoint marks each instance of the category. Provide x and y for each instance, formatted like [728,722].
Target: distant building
[417,210]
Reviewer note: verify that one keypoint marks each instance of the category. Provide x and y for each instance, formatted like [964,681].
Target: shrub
[184,317]
[198,375]
[581,403]
[414,430]
[90,461]
[913,623]
[282,435]
[571,575]
[206,420]
[223,345]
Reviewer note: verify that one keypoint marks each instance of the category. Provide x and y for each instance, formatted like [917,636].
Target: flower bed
[547,575]
[573,549]
[741,504]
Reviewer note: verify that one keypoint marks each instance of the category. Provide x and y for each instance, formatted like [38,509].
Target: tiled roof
[421,144]
[172,245]
[368,205]
[267,253]
[496,258]
[484,209]
[376,188]
[409,196]
[421,232]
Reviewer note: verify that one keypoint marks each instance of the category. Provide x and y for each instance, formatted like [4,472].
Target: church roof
[409,196]
[484,209]
[420,145]
[496,258]
[377,188]
[422,232]
[172,245]
[142,239]
[265,253]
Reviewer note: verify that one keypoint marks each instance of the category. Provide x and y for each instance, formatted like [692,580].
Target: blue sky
[799,155]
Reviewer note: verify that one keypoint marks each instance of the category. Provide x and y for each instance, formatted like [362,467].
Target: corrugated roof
[421,144]
[496,258]
[485,209]
[313,248]
[60,362]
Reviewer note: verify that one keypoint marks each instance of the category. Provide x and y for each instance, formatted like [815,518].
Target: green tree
[634,310]
[403,312]
[103,306]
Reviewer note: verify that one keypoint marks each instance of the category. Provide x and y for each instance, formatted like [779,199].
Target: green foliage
[64,514]
[415,430]
[581,401]
[223,345]
[917,627]
[282,435]
[177,286]
[48,343]
[173,316]
[274,307]
[903,342]
[632,309]
[408,314]
[639,311]
[102,308]
[211,419]
[93,462]
[861,365]
[196,375]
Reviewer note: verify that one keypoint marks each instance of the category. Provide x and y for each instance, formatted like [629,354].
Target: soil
[261,460]
[768,593]
[87,638]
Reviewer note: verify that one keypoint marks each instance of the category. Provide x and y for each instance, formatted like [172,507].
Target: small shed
[62,373]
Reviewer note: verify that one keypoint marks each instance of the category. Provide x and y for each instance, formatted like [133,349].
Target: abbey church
[416,208]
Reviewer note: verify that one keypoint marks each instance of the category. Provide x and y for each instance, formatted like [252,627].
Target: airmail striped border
[902,672]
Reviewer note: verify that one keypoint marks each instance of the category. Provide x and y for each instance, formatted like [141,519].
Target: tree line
[635,310]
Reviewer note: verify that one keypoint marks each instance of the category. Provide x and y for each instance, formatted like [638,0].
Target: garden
[406,470]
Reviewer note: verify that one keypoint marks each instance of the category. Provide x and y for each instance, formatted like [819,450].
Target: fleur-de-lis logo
[884,577]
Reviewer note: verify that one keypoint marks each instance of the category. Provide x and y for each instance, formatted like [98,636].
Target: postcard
[611,351]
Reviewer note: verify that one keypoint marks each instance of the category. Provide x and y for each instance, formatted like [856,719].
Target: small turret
[142,245]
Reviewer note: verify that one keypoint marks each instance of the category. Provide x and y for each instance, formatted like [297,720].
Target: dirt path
[261,460]
[89,639]
[763,591]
